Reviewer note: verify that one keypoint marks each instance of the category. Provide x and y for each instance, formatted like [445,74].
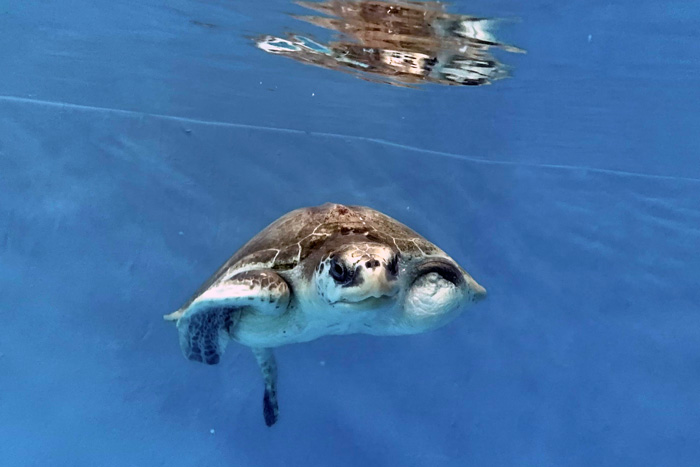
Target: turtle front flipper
[268,368]
[206,323]
[204,332]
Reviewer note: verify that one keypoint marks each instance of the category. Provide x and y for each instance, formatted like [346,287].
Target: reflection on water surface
[398,43]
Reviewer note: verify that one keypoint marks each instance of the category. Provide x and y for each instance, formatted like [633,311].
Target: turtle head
[436,290]
[413,292]
[362,275]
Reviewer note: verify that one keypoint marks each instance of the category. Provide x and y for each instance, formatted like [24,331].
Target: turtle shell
[286,242]
[294,236]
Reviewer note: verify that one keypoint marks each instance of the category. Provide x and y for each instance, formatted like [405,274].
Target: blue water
[142,142]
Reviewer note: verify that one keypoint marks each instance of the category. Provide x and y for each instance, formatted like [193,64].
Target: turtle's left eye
[445,269]
[339,272]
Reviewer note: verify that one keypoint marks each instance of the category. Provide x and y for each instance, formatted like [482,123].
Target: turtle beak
[475,290]
[478,292]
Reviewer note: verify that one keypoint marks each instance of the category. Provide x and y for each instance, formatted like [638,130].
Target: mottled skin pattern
[202,343]
[210,328]
[284,286]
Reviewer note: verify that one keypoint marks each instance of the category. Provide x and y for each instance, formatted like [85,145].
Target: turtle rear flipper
[206,324]
[268,368]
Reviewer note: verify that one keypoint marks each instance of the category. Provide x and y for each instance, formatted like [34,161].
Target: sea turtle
[319,271]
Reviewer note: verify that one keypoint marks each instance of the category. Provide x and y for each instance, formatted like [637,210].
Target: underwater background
[143,142]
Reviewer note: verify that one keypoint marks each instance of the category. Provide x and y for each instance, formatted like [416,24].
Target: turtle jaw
[367,304]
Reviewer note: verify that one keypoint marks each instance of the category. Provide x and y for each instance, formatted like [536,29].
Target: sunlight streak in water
[385,142]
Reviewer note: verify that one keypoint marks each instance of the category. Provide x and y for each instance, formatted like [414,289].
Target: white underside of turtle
[319,271]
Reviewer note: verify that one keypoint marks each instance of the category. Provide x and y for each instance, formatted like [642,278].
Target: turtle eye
[338,271]
[445,269]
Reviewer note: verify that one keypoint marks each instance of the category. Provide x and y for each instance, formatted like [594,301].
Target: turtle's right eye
[338,271]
